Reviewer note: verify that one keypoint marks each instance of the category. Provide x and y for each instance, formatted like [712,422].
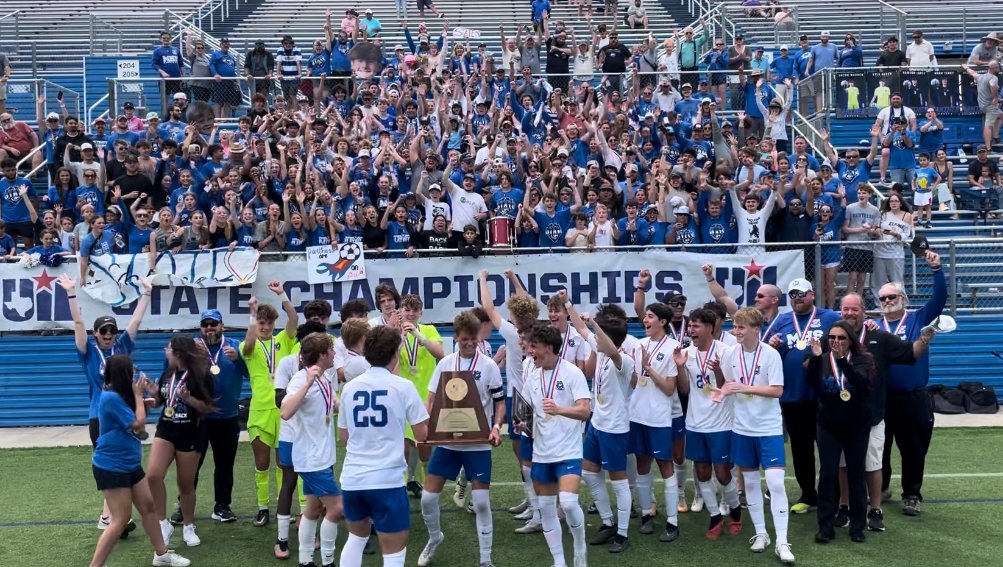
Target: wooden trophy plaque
[522,412]
[457,417]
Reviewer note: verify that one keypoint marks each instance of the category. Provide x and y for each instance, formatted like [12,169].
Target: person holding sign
[560,397]
[474,459]
[842,373]
[309,406]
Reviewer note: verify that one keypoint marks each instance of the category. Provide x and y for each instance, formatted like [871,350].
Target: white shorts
[875,448]
[922,199]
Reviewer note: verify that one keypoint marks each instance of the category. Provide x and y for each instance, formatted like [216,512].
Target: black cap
[673,296]
[129,105]
[105,321]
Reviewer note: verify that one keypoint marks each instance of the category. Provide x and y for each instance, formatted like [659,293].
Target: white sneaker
[783,551]
[429,552]
[519,508]
[581,561]
[166,529]
[170,559]
[104,522]
[460,495]
[524,516]
[759,543]
[531,527]
[191,538]
[697,504]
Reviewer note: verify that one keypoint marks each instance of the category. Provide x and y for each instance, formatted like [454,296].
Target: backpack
[950,401]
[978,398]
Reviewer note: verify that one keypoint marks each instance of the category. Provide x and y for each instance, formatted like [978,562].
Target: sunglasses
[206,324]
[886,298]
[797,294]
[839,338]
[795,203]
[107,330]
[761,296]
[677,304]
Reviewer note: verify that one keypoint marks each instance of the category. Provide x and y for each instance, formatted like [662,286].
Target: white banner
[32,300]
[327,264]
[466,33]
[114,278]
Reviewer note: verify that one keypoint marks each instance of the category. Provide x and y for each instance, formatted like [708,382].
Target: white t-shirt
[705,415]
[487,378]
[648,404]
[513,357]
[755,416]
[465,206]
[728,339]
[632,347]
[604,233]
[284,372]
[612,390]
[752,226]
[887,113]
[920,55]
[340,354]
[355,365]
[574,348]
[374,410]
[313,441]
[377,321]
[558,438]
[433,209]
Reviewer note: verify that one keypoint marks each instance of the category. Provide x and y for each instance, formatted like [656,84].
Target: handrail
[883,3]
[38,168]
[28,155]
[11,14]
[90,111]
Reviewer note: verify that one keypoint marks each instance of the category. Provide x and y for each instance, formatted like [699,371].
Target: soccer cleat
[592,509]
[842,518]
[647,524]
[170,559]
[783,551]
[876,520]
[166,529]
[487,564]
[222,513]
[429,552]
[735,521]
[759,543]
[671,533]
[460,496]
[177,518]
[716,524]
[191,538]
[470,508]
[282,549]
[697,505]
[128,529]
[605,533]
[801,508]
[530,527]
[524,516]
[519,508]
[910,506]
[619,545]
[262,517]
[682,508]
[414,487]
[741,499]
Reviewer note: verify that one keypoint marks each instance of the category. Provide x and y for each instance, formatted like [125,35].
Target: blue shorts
[286,454]
[709,447]
[319,483]
[679,427]
[512,435]
[446,463]
[387,507]
[525,449]
[550,473]
[606,449]
[647,441]
[755,452]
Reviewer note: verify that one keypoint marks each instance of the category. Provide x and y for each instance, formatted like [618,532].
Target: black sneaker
[129,528]
[619,545]
[634,511]
[876,520]
[842,518]
[858,537]
[910,506]
[605,533]
[647,525]
[222,513]
[177,518]
[824,538]
[261,519]
[671,533]
[414,487]
[592,509]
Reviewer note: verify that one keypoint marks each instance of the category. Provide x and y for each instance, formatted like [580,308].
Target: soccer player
[573,348]
[388,302]
[262,352]
[607,434]
[560,397]
[447,460]
[375,408]
[755,375]
[356,309]
[353,337]
[708,420]
[651,408]
[310,409]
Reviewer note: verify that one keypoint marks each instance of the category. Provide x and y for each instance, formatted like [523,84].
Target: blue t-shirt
[294,242]
[7,244]
[351,234]
[899,155]
[505,203]
[823,57]
[792,350]
[318,236]
[93,360]
[925,178]
[167,59]
[118,449]
[553,228]
[246,235]
[139,238]
[852,177]
[223,64]
[539,7]
[831,253]
[398,237]
[656,233]
[42,251]
[226,384]
[690,234]
[528,239]
[908,377]
[14,209]
[100,246]
[931,140]
[636,237]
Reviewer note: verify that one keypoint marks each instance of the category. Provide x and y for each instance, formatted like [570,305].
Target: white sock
[328,538]
[778,502]
[600,495]
[681,473]
[430,512]
[307,536]
[709,496]
[552,528]
[283,522]
[531,497]
[644,491]
[395,559]
[575,518]
[351,554]
[631,470]
[485,525]
[671,500]
[754,500]
[731,494]
[621,488]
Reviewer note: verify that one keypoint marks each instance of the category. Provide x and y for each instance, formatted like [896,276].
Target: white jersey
[728,339]
[313,443]
[574,348]
[632,347]
[484,347]
[284,372]
[375,407]
[611,393]
[377,321]
[703,414]
[752,226]
[487,378]
[556,438]
[755,416]
[648,404]
[340,354]
[355,365]
[513,357]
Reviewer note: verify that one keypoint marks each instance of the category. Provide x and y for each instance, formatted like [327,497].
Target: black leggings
[222,435]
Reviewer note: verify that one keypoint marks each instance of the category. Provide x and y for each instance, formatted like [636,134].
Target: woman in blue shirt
[48,248]
[398,233]
[826,229]
[247,228]
[88,194]
[296,236]
[318,228]
[98,242]
[62,192]
[351,231]
[117,461]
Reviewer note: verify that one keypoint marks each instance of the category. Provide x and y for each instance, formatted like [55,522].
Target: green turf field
[51,508]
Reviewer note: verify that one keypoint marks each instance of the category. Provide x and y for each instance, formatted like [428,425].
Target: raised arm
[489,306]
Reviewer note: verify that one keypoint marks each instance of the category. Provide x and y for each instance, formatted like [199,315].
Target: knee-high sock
[576,520]
[681,473]
[412,465]
[731,494]
[485,524]
[709,495]
[395,559]
[261,484]
[631,471]
[552,528]
[283,522]
[351,554]
[621,488]
[754,499]
[534,503]
[597,486]
[299,493]
[644,497]
[430,512]
[671,499]
[328,538]
[778,502]
[307,537]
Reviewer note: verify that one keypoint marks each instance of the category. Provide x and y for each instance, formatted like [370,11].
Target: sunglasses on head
[886,298]
[797,294]
[839,338]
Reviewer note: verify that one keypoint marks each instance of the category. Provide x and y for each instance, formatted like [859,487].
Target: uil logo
[748,279]
[34,298]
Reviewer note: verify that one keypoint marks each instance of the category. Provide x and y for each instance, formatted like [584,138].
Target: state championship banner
[33,300]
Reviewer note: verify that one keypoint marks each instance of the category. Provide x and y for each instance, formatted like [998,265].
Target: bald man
[767,301]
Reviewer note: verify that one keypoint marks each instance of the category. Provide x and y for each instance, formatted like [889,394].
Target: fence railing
[23,94]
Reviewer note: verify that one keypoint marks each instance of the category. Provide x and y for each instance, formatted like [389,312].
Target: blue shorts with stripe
[446,463]
[525,449]
[286,454]
[609,450]
[382,505]
[319,483]
[679,427]
[550,473]
[648,441]
[709,447]
[755,452]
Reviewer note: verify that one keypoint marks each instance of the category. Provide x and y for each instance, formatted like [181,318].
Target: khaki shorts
[993,114]
[875,449]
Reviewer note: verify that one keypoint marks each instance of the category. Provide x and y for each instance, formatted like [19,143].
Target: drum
[500,232]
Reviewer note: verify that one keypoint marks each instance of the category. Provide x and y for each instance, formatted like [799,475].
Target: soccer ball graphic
[351,251]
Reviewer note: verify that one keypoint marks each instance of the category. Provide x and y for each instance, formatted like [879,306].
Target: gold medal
[801,344]
[214,370]
[643,382]
[844,395]
[548,417]
[600,399]
[413,370]
[169,411]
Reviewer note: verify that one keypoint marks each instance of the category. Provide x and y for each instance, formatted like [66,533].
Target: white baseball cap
[800,284]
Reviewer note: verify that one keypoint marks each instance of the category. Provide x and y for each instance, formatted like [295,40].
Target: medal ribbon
[411,349]
[549,392]
[840,378]
[749,375]
[567,341]
[473,361]
[174,387]
[658,346]
[483,347]
[222,341]
[863,334]
[269,355]
[327,391]
[803,336]
[101,354]
[765,333]
[702,364]
[897,327]
[681,337]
